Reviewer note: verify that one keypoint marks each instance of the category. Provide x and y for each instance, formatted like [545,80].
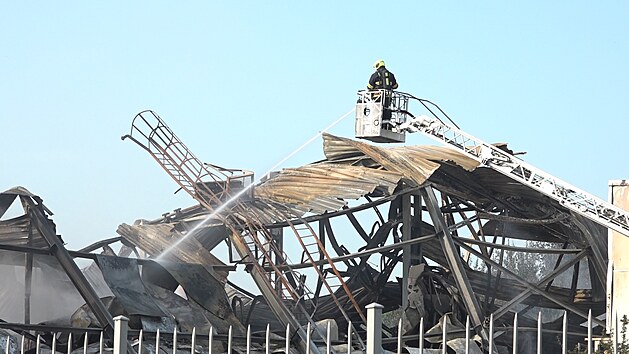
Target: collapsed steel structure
[425,231]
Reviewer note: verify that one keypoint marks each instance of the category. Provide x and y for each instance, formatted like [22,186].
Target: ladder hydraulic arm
[569,196]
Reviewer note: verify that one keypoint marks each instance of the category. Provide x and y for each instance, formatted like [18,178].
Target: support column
[278,239]
[618,261]
[454,260]
[417,215]
[28,278]
[406,250]
[66,261]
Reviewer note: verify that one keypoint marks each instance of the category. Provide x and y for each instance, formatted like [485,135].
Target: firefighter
[382,78]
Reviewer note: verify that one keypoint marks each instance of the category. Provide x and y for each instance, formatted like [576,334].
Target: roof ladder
[254,243]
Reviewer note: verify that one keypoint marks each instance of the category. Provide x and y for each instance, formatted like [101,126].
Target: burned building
[430,233]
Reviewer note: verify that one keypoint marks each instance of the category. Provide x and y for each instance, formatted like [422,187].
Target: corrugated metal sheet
[15,231]
[323,187]
[424,159]
[355,169]
[154,239]
[416,163]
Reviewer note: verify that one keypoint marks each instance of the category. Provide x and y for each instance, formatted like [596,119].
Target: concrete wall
[618,290]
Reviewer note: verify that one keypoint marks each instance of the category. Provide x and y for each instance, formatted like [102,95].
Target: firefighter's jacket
[382,79]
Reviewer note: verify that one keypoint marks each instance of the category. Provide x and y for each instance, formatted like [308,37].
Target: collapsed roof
[454,228]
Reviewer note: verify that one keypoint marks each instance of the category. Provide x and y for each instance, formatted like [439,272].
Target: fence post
[121,327]
[374,328]
[564,334]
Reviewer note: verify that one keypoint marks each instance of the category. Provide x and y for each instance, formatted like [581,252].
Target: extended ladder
[253,242]
[571,197]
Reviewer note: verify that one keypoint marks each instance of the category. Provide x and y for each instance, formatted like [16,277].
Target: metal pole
[268,339]
[590,331]
[67,263]
[209,340]
[539,332]
[374,328]
[121,328]
[453,258]
[467,335]
[515,333]
[406,250]
[328,342]
[307,339]
[85,344]
[399,336]
[140,340]
[564,334]
[193,343]
[174,340]
[491,334]
[421,335]
[248,339]
[349,337]
[28,278]
[229,340]
[287,338]
[444,327]
[157,342]
[101,343]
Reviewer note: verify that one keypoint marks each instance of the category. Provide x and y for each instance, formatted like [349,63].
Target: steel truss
[458,227]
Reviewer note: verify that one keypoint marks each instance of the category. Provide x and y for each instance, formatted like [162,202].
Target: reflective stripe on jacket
[382,79]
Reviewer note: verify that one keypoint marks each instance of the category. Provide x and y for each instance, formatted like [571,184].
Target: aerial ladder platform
[383,116]
[225,194]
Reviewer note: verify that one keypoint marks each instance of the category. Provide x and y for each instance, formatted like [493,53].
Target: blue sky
[245,83]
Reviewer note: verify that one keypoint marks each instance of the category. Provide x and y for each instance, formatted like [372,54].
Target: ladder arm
[569,196]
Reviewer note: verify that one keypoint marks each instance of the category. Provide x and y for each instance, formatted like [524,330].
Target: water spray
[222,207]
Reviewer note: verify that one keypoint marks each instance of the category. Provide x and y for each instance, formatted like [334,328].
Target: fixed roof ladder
[151,133]
[571,197]
[251,239]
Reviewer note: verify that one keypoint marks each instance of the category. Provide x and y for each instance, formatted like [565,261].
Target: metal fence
[140,342]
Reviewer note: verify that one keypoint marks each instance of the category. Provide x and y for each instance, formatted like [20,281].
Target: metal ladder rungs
[581,202]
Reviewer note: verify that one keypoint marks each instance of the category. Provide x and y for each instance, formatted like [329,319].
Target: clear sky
[245,83]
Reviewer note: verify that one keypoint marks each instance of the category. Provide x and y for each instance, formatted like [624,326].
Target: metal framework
[40,228]
[450,236]
[567,195]
[401,238]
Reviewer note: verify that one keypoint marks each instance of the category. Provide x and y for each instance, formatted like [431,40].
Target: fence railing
[146,342]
